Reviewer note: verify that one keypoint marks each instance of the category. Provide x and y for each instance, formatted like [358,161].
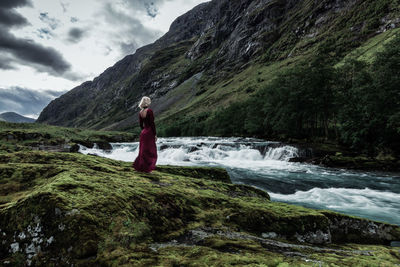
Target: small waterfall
[284,153]
[227,150]
[204,149]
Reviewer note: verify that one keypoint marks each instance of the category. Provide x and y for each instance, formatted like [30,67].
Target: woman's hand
[156,138]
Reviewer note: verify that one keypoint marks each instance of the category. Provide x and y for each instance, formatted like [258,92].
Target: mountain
[15,117]
[220,53]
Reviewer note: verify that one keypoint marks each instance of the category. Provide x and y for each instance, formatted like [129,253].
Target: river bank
[68,208]
[40,137]
[60,208]
[336,156]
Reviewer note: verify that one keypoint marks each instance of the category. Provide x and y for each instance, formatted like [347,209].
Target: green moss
[202,173]
[29,136]
[370,48]
[93,210]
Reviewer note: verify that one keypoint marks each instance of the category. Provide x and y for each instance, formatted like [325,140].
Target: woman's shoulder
[143,113]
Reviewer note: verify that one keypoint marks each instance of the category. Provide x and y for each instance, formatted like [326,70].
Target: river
[265,165]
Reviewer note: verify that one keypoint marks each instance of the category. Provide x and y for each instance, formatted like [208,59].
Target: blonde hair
[145,102]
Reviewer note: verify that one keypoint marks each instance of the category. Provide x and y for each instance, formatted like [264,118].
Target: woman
[147,158]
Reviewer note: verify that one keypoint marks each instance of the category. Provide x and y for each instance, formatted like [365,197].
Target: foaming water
[360,202]
[266,165]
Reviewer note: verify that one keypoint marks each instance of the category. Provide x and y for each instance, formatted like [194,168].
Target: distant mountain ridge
[218,53]
[15,117]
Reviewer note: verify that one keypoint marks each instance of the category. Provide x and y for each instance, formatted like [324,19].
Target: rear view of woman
[147,158]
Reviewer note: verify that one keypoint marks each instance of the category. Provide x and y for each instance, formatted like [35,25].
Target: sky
[48,47]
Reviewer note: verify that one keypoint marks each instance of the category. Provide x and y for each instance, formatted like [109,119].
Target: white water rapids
[265,165]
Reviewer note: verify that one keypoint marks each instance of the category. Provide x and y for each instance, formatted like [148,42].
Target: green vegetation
[28,136]
[63,208]
[356,104]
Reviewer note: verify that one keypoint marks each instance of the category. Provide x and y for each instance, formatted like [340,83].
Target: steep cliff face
[218,53]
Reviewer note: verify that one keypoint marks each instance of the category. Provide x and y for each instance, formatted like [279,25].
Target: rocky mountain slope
[14,117]
[222,52]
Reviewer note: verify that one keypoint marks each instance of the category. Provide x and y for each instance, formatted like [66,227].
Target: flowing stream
[266,165]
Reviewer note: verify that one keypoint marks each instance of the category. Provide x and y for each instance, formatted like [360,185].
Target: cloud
[128,48]
[74,19]
[25,51]
[131,32]
[75,76]
[64,6]
[34,53]
[148,6]
[25,101]
[8,16]
[151,9]
[53,23]
[75,34]
[6,63]
[44,33]
[107,51]
[11,18]
[14,3]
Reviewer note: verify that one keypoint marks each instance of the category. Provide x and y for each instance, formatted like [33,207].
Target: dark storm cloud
[14,3]
[53,23]
[6,63]
[75,35]
[31,52]
[25,101]
[9,17]
[20,51]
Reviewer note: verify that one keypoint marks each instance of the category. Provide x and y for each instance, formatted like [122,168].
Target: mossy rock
[214,174]
[60,209]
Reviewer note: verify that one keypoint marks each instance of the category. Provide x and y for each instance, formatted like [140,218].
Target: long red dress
[147,158]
